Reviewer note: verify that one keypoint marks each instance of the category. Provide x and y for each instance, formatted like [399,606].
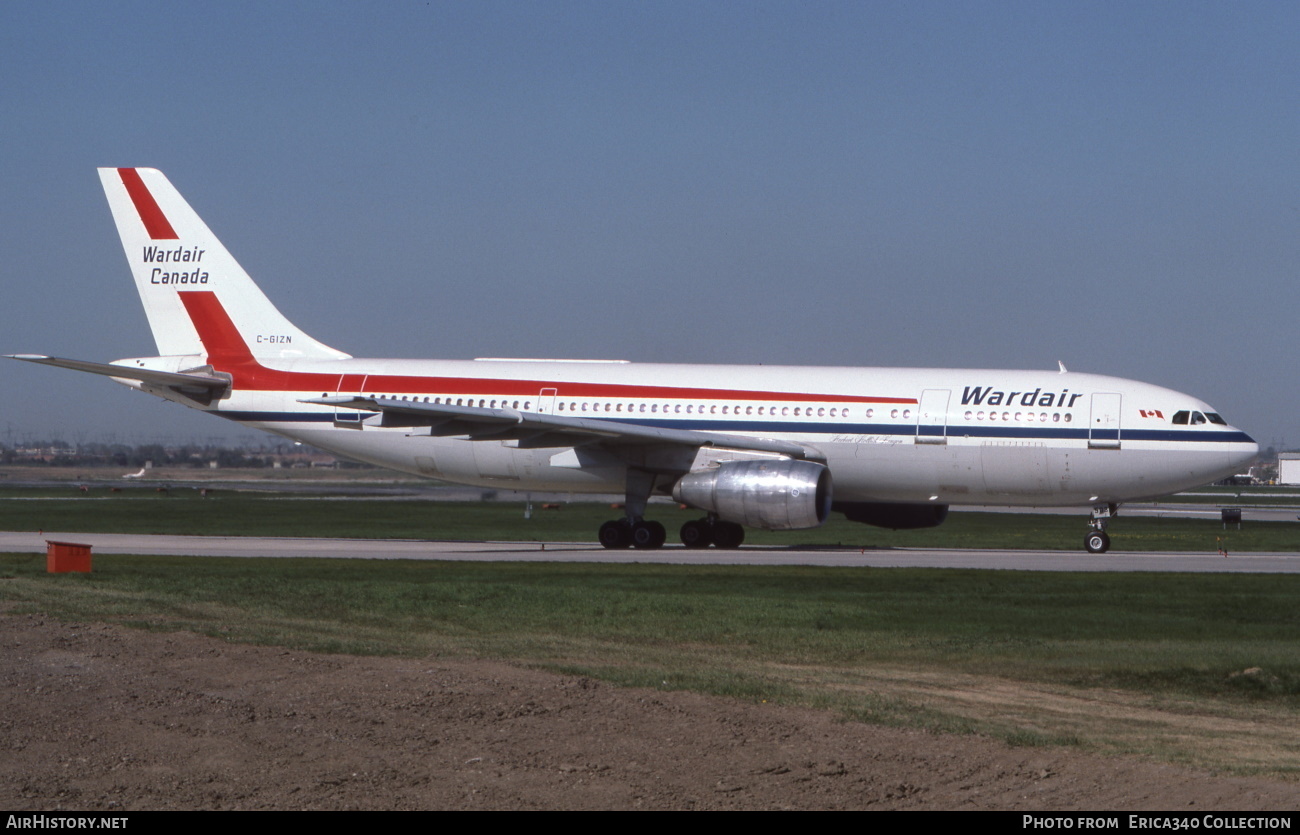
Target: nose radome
[1249,452]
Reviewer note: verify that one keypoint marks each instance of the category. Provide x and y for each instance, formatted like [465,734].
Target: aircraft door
[932,417]
[1104,424]
[546,401]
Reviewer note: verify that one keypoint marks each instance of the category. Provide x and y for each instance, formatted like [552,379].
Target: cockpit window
[1187,417]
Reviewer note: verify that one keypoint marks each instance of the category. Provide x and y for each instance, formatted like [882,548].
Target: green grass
[1157,664]
[182,511]
[1170,633]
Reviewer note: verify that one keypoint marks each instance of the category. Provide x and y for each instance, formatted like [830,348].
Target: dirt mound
[98,717]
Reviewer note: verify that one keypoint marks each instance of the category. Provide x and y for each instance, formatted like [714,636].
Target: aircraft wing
[533,430]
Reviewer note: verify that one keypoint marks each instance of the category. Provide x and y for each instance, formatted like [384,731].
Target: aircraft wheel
[697,533]
[648,535]
[728,535]
[1097,542]
[616,533]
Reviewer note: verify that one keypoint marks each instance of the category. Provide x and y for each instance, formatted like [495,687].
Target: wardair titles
[179,255]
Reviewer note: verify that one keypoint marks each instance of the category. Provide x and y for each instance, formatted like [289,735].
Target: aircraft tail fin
[173,254]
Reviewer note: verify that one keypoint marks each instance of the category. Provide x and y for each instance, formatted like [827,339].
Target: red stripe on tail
[220,337]
[155,222]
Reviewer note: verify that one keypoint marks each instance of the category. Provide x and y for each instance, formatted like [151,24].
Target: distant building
[1288,468]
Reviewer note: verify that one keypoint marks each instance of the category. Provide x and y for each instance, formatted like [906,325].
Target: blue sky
[1114,185]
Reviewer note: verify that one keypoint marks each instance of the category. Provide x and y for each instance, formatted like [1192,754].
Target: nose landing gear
[1098,541]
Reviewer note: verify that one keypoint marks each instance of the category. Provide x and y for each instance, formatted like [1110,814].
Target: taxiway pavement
[410,549]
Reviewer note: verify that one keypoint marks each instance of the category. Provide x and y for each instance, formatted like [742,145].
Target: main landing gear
[1098,541]
[642,533]
[701,533]
[648,534]
[634,530]
[638,532]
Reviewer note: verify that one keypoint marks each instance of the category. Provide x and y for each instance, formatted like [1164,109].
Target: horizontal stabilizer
[203,388]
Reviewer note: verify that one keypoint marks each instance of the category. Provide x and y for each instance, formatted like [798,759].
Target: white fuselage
[963,436]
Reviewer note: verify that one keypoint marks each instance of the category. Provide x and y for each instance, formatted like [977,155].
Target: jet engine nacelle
[775,495]
[894,515]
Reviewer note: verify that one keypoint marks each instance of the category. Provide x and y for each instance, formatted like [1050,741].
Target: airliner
[770,447]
